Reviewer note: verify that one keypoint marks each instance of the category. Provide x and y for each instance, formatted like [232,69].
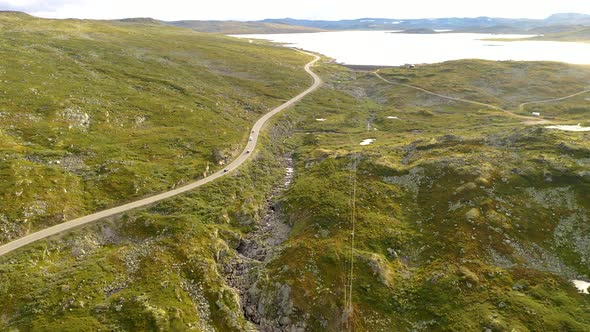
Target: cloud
[305,9]
[31,6]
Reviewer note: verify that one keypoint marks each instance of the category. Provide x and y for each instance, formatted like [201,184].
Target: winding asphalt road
[156,198]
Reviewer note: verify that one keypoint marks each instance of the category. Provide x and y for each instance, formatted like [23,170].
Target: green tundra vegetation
[94,113]
[570,34]
[577,34]
[581,34]
[236,27]
[465,218]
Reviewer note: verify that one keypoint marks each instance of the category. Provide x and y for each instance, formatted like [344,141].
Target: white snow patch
[320,119]
[569,127]
[392,117]
[368,141]
[582,286]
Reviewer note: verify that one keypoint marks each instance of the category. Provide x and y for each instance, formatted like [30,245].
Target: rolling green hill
[561,33]
[96,113]
[236,27]
[465,218]
[575,35]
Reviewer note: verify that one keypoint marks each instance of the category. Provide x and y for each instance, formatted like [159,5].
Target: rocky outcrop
[267,307]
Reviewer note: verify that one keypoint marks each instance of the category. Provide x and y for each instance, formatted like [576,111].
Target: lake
[394,49]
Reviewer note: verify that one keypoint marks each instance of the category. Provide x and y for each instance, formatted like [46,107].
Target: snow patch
[392,117]
[582,286]
[320,119]
[367,141]
[569,127]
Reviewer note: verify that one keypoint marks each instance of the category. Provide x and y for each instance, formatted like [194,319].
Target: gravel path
[529,120]
[250,146]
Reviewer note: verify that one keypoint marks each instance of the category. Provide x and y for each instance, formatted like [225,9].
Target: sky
[301,9]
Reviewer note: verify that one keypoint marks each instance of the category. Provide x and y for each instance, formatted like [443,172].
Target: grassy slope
[569,34]
[578,35]
[235,27]
[501,85]
[153,270]
[96,113]
[467,219]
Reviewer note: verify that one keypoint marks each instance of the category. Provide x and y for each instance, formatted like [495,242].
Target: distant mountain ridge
[569,19]
[451,23]
[561,22]
[237,27]
[556,23]
[143,20]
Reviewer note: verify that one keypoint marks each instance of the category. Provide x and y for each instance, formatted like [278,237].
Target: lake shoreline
[370,50]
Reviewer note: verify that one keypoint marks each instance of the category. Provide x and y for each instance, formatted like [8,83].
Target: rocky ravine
[245,270]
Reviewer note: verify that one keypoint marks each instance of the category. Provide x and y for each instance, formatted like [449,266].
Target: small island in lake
[423,31]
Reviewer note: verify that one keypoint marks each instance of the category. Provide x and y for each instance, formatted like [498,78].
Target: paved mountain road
[250,146]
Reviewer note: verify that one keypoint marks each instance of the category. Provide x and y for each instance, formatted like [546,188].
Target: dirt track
[250,146]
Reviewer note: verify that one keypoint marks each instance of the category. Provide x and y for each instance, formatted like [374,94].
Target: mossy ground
[93,114]
[236,27]
[156,269]
[467,219]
